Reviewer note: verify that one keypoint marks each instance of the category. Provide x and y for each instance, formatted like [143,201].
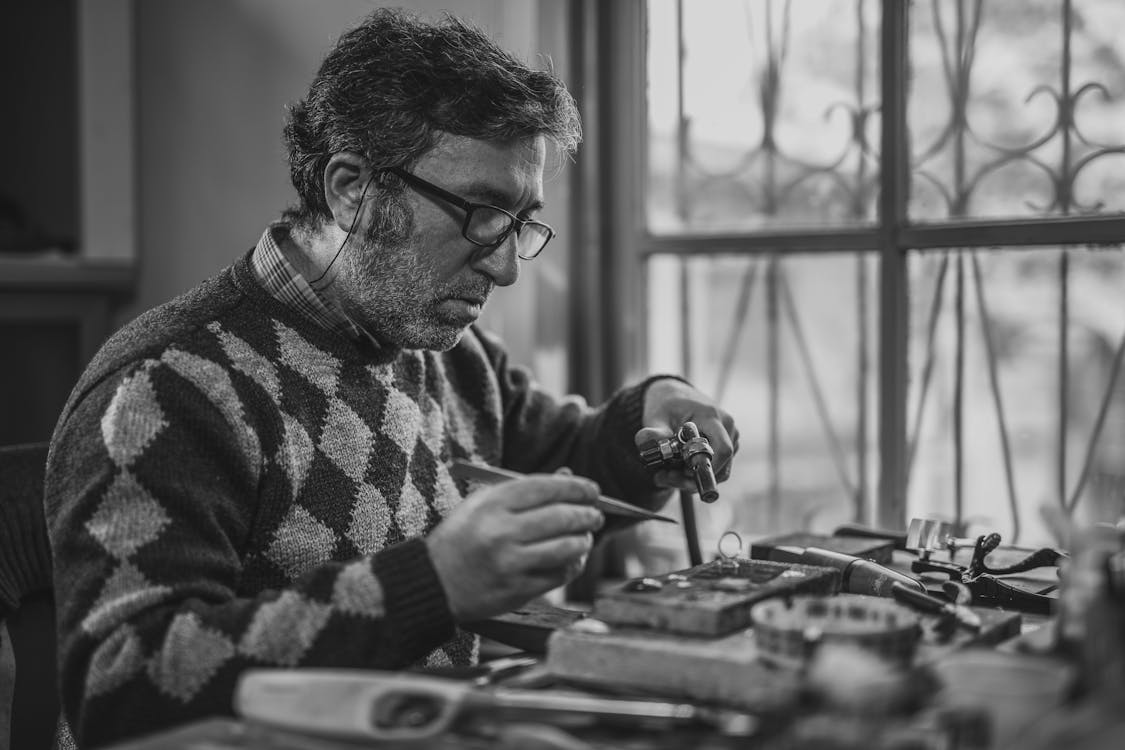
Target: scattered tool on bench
[983,581]
[857,575]
[985,584]
[374,705]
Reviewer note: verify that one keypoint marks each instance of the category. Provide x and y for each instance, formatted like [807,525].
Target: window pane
[1016,109]
[787,345]
[1023,300]
[763,121]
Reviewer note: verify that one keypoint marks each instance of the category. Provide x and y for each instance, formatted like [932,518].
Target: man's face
[423,292]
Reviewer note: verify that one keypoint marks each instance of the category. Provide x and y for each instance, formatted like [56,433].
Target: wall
[213,79]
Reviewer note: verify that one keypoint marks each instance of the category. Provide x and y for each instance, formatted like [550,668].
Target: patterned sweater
[231,486]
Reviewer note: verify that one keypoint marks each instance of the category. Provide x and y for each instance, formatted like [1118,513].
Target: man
[255,474]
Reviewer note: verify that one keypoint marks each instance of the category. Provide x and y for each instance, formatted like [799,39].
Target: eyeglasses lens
[487,226]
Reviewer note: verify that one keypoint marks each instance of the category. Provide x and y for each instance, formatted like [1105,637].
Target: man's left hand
[668,404]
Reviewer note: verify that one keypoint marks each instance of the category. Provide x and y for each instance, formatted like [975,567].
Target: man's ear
[345,177]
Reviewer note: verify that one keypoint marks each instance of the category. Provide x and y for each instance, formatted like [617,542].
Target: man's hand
[668,404]
[511,542]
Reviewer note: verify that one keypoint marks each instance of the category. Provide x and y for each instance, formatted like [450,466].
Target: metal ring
[738,549]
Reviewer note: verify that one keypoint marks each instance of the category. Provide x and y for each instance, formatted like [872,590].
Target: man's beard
[385,285]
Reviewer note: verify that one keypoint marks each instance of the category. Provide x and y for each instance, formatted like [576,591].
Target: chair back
[29,701]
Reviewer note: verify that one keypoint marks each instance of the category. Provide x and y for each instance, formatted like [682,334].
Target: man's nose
[501,263]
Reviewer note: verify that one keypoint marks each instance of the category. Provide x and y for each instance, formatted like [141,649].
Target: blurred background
[886,235]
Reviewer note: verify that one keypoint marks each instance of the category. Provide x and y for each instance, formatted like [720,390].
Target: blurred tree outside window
[773,251]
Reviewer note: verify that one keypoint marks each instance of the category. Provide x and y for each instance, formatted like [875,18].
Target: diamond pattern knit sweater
[231,486]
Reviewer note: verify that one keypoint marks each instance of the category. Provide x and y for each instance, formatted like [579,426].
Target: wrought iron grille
[933,159]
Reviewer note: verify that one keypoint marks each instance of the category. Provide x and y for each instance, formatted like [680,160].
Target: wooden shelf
[62,273]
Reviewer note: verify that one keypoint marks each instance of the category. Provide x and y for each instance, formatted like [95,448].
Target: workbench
[1009,677]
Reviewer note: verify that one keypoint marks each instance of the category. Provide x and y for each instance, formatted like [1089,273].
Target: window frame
[616,120]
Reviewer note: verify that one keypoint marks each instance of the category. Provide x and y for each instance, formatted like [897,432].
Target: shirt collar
[289,287]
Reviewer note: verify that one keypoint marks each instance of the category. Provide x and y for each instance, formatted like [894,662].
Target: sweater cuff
[624,420]
[635,397]
[414,597]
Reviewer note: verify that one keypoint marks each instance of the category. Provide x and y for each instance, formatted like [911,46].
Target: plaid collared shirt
[290,288]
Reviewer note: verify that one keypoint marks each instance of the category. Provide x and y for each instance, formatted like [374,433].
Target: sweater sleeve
[152,495]
[543,432]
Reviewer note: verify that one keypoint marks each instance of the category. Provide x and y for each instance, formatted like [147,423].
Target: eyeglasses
[487,226]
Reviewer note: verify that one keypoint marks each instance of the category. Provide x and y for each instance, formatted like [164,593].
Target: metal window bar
[997,400]
[837,449]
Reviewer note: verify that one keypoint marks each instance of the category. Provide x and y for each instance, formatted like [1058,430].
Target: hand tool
[687,448]
[373,705]
[857,575]
[487,474]
[927,535]
[984,583]
[925,602]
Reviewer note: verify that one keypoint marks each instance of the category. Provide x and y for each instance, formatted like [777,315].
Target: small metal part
[985,544]
[688,449]
[728,554]
[503,668]
[697,454]
[590,625]
[644,584]
[957,592]
[926,535]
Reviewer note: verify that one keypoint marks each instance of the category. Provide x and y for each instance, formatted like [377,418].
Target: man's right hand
[508,543]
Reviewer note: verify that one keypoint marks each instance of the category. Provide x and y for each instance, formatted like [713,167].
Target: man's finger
[651,434]
[553,554]
[535,490]
[558,519]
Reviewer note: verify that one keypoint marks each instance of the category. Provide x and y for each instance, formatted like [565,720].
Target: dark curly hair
[393,85]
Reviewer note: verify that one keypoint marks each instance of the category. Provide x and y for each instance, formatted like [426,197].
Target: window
[888,236]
